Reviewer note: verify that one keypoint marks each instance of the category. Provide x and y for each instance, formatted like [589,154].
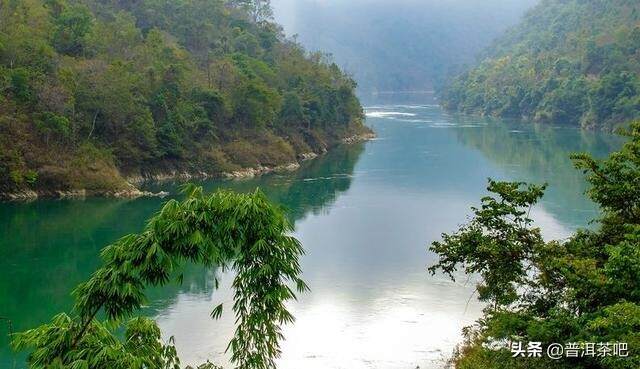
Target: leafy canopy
[159,86]
[567,62]
[583,289]
[241,231]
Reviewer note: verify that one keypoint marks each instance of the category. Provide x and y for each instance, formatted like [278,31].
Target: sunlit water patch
[388,114]
[365,215]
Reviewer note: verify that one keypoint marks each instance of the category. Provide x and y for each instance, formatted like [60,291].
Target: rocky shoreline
[245,173]
[359,138]
[132,192]
[129,193]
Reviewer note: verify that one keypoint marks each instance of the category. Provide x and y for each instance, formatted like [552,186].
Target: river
[365,214]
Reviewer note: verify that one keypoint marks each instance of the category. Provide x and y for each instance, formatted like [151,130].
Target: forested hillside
[93,91]
[568,62]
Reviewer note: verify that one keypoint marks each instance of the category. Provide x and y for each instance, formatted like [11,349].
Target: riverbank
[126,186]
[357,208]
[130,193]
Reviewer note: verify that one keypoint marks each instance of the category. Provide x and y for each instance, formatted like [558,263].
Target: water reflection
[540,153]
[47,247]
[364,213]
[372,304]
[313,187]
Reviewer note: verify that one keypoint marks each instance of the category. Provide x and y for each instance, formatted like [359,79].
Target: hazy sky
[399,44]
[289,12]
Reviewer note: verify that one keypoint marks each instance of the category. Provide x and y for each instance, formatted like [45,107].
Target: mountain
[567,62]
[96,91]
[399,45]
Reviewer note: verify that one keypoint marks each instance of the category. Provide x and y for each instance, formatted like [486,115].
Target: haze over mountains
[399,45]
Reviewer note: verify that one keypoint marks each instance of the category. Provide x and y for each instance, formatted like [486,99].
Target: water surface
[365,215]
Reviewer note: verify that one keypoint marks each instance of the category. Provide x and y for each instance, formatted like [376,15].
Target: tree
[72,27]
[51,124]
[583,289]
[292,112]
[614,180]
[260,10]
[20,85]
[256,104]
[241,231]
[584,71]
[160,86]
[497,243]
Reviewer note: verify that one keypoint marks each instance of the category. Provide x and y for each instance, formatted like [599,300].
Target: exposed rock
[291,167]
[307,156]
[135,193]
[68,194]
[359,138]
[260,170]
[168,176]
[132,192]
[26,195]
[244,173]
[129,193]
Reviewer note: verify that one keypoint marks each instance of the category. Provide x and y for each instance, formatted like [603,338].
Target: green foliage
[20,85]
[257,104]
[614,179]
[497,243]
[13,168]
[569,62]
[159,83]
[141,346]
[52,124]
[19,177]
[241,231]
[72,26]
[583,289]
[206,365]
[292,110]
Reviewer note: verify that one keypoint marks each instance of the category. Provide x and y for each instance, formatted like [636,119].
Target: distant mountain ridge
[402,44]
[568,62]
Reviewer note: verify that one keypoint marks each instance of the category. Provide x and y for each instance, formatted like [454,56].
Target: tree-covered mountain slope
[568,61]
[93,91]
